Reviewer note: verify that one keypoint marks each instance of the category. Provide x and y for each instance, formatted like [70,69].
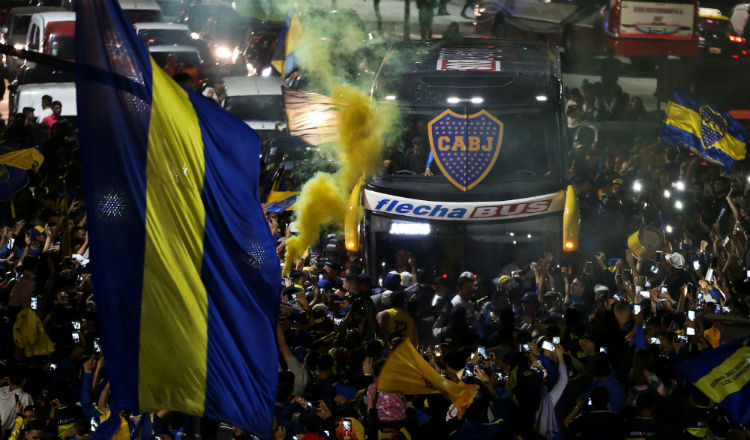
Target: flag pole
[40,58]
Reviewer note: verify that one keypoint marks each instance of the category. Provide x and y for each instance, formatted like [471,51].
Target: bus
[491,114]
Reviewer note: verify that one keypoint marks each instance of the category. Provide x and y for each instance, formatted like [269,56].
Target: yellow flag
[25,159]
[406,372]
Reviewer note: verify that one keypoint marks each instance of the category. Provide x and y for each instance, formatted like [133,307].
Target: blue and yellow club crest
[465,147]
[713,126]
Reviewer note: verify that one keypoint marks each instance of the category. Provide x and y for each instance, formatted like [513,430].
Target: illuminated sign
[427,209]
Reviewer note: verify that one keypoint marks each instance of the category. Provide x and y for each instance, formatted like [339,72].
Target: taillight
[737,39]
[615,15]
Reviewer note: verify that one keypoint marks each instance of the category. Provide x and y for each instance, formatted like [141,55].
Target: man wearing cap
[218,93]
[676,276]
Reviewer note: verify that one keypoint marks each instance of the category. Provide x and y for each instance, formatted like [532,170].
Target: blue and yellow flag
[723,374]
[290,39]
[187,278]
[712,134]
[13,169]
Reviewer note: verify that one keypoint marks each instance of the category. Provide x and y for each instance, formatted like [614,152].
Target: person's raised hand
[324,413]
[89,365]
[367,367]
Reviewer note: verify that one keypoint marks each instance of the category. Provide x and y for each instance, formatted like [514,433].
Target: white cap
[676,260]
[406,279]
[293,228]
[600,288]
[466,274]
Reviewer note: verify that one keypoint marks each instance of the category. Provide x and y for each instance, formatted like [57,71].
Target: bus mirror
[352,218]
[571,221]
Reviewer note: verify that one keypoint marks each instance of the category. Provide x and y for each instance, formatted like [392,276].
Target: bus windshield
[529,144]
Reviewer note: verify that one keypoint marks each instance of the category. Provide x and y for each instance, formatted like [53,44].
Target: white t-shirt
[301,375]
[43,114]
[8,405]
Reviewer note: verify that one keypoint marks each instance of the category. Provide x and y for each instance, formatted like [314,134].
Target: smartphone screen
[690,331]
[656,341]
[76,325]
[726,240]
[97,346]
[525,348]
[482,351]
[654,269]
[747,274]
[547,345]
[645,294]
[603,350]
[663,289]
[556,340]
[691,315]
[637,309]
[697,265]
[34,303]
[76,337]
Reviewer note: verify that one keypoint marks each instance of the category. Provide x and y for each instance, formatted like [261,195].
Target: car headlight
[223,52]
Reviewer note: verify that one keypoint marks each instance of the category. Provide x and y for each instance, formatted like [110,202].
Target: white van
[257,100]
[739,20]
[140,11]
[160,33]
[43,25]
[30,95]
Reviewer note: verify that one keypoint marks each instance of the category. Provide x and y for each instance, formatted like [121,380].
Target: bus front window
[529,138]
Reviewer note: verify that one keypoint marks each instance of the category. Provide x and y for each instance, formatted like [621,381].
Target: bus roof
[483,55]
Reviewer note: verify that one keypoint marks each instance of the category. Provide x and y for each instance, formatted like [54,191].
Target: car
[140,11]
[256,100]
[52,33]
[261,42]
[7,5]
[188,56]
[717,38]
[14,31]
[159,33]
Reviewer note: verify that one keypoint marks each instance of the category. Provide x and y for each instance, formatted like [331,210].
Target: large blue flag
[185,269]
[723,375]
[712,134]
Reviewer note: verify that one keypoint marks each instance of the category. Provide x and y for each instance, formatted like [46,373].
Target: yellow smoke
[361,126]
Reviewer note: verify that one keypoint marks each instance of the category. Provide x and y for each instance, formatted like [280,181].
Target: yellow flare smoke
[360,127]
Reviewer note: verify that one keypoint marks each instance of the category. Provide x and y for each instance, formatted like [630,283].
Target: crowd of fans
[581,347]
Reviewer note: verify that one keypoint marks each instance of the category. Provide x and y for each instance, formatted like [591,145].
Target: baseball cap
[502,280]
[600,288]
[406,279]
[676,260]
[37,231]
[392,281]
[530,298]
[325,284]
[466,276]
